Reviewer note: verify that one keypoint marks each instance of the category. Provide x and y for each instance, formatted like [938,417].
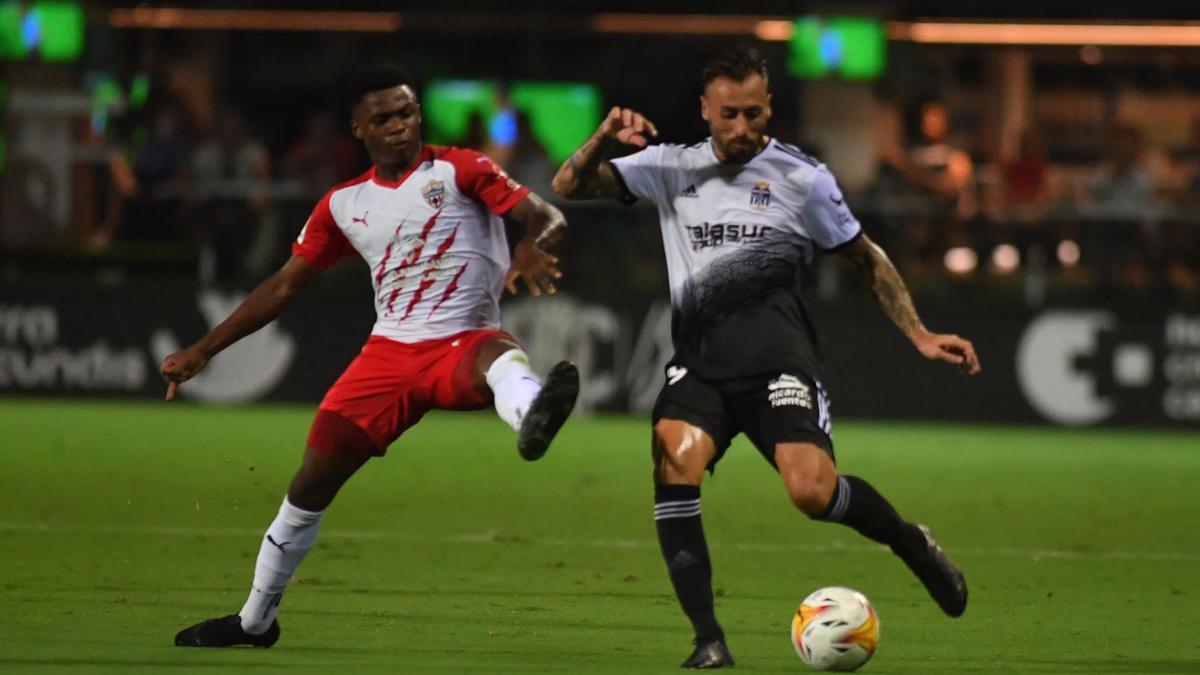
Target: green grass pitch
[122,522]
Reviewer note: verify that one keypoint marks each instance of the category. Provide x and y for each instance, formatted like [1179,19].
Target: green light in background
[49,29]
[853,47]
[106,94]
[3,127]
[12,48]
[139,91]
[561,114]
[449,104]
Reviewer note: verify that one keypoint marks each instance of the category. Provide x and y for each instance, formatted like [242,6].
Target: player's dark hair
[736,63]
[375,78]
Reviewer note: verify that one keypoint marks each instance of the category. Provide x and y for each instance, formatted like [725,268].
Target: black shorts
[785,408]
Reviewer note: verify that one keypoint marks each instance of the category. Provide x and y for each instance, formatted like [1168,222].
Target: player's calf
[857,504]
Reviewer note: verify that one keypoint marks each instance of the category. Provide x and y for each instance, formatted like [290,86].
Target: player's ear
[703,108]
[355,129]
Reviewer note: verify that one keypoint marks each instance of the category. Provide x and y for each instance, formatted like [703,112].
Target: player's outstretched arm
[533,258]
[261,307]
[585,174]
[884,282]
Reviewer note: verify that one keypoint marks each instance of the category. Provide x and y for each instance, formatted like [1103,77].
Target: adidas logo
[690,191]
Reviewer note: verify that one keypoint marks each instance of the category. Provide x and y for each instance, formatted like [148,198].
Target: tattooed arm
[884,282]
[585,174]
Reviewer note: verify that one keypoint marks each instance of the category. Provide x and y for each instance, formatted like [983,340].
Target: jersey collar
[425,156]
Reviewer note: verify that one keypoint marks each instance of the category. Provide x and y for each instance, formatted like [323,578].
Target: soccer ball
[835,628]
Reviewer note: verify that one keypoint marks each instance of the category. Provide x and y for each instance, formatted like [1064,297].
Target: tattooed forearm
[884,282]
[581,176]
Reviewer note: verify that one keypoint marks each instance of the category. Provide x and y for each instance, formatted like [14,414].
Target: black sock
[858,505]
[681,537]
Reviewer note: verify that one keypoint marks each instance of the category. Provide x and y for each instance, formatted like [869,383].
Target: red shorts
[390,385]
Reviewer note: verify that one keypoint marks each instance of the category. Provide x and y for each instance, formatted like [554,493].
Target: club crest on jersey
[434,193]
[760,195]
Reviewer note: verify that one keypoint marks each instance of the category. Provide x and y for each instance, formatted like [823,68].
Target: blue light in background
[31,30]
[830,47]
[503,127]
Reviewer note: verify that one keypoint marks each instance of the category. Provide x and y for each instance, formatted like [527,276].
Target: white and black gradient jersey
[739,240]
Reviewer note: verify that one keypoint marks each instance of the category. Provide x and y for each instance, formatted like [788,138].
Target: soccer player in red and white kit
[427,220]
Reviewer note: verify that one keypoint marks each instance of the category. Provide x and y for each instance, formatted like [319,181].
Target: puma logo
[277,544]
[838,200]
[362,220]
[675,374]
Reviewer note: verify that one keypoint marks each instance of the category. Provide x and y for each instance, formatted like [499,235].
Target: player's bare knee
[668,467]
[490,351]
[671,459]
[810,496]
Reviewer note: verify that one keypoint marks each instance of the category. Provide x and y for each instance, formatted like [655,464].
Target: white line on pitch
[500,537]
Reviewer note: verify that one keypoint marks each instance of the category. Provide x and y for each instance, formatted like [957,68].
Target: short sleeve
[479,178]
[321,242]
[825,215]
[640,174]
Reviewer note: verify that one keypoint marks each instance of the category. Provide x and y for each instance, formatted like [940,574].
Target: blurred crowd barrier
[1068,365]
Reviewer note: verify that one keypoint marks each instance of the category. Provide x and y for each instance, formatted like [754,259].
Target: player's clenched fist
[181,367]
[628,126]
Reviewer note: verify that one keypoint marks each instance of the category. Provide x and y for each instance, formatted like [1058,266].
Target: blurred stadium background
[1034,171]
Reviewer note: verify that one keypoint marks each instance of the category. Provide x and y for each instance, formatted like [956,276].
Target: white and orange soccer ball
[835,628]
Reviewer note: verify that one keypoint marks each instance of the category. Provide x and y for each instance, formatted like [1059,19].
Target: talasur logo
[246,371]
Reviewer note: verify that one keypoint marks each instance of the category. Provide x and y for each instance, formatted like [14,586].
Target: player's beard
[740,150]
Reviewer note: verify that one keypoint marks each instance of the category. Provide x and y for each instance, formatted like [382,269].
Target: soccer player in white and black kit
[742,215]
[427,221]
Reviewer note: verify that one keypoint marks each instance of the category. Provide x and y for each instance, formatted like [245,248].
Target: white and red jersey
[433,239]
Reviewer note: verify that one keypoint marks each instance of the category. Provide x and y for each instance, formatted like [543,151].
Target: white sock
[286,542]
[514,386]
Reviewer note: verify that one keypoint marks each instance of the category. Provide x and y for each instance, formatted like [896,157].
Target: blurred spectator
[1027,176]
[1125,179]
[1123,192]
[144,149]
[529,163]
[323,156]
[940,172]
[230,154]
[939,168]
[231,170]
[476,135]
[163,158]
[1186,186]
[1181,240]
